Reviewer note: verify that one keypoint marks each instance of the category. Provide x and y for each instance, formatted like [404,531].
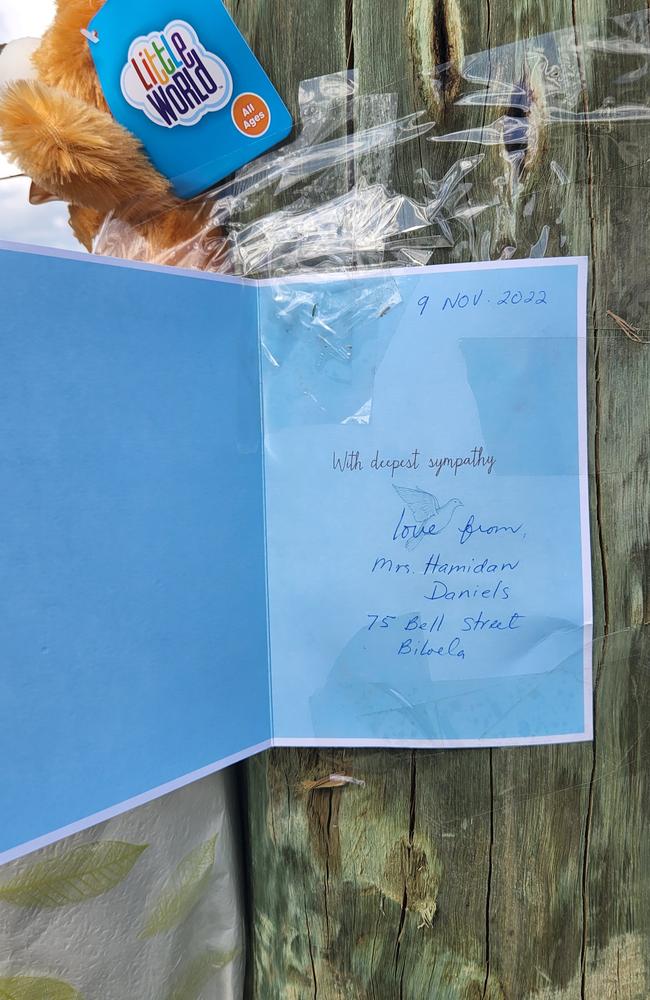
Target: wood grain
[515,874]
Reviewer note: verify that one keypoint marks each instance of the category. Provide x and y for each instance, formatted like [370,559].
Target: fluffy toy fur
[58,130]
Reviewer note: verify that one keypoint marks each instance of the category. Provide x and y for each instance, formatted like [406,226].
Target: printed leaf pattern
[183,891]
[34,988]
[198,974]
[80,874]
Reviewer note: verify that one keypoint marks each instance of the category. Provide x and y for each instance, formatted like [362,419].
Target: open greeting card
[329,510]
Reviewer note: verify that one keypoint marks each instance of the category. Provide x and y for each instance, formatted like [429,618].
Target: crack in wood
[328,829]
[488,890]
[311,951]
[349,33]
[435,36]
[409,852]
[599,507]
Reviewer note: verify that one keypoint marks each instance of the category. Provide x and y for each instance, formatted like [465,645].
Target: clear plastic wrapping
[327,201]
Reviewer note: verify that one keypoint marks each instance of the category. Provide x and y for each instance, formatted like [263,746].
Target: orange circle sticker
[251,115]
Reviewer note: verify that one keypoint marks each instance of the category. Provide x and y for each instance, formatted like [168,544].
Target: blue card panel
[133,608]
[428,542]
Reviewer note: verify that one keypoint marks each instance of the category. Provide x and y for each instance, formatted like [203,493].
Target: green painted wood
[514,874]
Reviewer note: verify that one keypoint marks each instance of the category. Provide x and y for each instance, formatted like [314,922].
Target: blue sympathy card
[331,510]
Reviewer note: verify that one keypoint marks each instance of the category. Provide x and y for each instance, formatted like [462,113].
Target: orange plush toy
[56,127]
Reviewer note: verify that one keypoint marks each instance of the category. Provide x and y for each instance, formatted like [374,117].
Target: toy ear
[75,152]
[85,224]
[63,58]
[39,196]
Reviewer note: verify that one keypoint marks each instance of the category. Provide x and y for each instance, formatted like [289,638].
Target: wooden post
[507,873]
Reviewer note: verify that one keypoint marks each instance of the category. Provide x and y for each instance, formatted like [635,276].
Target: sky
[19,221]
[24,17]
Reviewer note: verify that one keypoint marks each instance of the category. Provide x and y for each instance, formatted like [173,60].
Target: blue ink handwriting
[463,299]
[389,566]
[480,623]
[514,298]
[435,564]
[430,517]
[473,528]
[411,648]
[442,592]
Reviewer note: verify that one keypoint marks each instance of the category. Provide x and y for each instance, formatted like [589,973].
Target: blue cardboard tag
[179,75]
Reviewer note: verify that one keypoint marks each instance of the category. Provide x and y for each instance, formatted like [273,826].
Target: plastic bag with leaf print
[146,905]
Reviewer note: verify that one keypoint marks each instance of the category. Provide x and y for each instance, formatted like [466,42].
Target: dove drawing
[429,516]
